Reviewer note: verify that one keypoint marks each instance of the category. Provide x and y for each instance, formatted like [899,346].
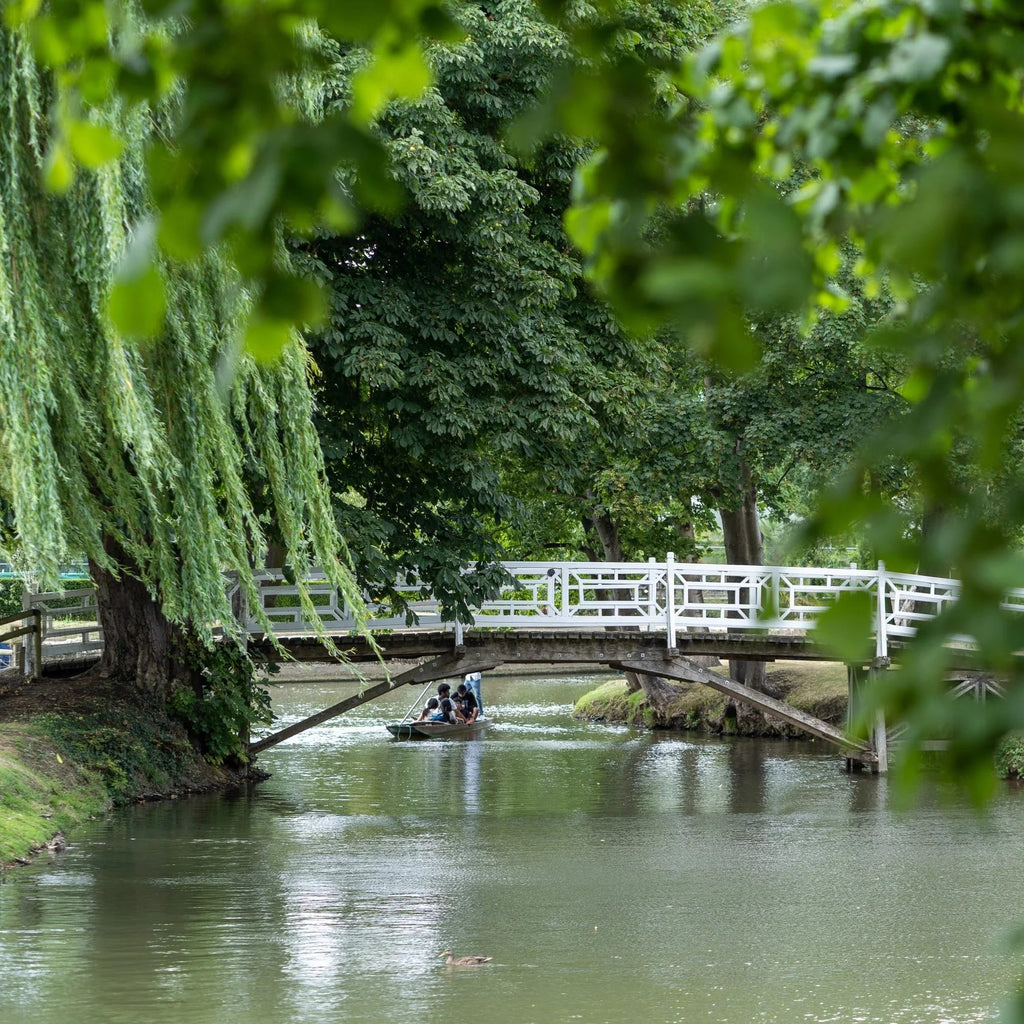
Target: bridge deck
[556,646]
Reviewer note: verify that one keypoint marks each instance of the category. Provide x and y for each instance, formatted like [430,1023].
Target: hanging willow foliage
[182,451]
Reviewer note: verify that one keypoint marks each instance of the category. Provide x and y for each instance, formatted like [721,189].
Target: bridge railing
[670,597]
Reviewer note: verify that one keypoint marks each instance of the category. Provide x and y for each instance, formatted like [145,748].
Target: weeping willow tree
[167,462]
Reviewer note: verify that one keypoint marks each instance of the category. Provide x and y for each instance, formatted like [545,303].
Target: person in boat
[466,703]
[447,710]
[472,681]
[429,709]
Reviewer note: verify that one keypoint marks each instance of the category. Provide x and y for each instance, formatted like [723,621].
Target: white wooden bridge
[644,617]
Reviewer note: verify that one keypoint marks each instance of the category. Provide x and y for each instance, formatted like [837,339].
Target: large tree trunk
[744,545]
[142,648]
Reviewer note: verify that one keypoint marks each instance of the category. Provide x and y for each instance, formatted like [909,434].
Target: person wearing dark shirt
[466,702]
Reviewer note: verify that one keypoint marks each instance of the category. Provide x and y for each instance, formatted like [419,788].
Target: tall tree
[462,336]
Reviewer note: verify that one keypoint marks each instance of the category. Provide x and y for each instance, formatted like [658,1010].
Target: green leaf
[59,173]
[137,307]
[845,627]
[17,12]
[396,72]
[919,58]
[265,339]
[179,232]
[294,299]
[93,145]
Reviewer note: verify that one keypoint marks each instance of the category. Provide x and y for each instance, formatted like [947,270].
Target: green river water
[614,876]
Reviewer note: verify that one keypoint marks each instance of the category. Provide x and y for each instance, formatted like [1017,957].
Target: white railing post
[881,638]
[28,649]
[670,599]
[458,634]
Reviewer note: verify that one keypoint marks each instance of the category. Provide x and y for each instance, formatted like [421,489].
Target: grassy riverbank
[41,795]
[69,753]
[816,688]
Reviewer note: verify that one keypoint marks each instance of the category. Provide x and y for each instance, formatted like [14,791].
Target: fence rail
[669,597]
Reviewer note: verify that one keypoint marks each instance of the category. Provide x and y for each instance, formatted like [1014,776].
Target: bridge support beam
[674,667]
[857,678]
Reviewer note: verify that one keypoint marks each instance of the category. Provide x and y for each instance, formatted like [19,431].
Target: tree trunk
[744,545]
[658,692]
[142,648]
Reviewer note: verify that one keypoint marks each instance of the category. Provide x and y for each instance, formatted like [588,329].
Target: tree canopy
[462,337]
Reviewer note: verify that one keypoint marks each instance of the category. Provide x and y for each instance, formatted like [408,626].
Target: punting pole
[417,700]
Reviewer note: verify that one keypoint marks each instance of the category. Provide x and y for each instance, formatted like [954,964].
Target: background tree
[907,118]
[462,337]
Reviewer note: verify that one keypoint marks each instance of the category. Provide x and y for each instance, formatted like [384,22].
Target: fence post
[670,599]
[27,650]
[881,638]
[37,640]
[458,633]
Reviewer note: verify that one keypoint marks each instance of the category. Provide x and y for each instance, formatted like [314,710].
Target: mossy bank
[816,688]
[65,760]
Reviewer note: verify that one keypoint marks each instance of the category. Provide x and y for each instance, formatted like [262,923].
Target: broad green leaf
[179,232]
[137,307]
[293,299]
[59,173]
[93,145]
[845,627]
[399,71]
[17,12]
[920,57]
[266,339]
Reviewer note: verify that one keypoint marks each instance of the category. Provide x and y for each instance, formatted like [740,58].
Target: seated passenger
[466,702]
[447,711]
[428,709]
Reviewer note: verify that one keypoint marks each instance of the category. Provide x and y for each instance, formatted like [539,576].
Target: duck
[464,961]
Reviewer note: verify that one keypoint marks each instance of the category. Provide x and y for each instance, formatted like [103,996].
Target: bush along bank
[818,689]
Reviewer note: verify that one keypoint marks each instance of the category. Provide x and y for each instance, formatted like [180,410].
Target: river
[613,875]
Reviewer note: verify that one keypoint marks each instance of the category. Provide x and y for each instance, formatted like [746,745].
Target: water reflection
[614,876]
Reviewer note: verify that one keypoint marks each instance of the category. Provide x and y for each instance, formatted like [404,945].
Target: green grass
[41,793]
[57,770]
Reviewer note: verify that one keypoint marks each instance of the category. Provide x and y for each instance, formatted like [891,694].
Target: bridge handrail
[666,596]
